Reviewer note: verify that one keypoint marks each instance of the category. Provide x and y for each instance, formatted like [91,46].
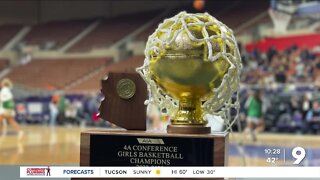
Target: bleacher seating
[4,63]
[7,32]
[232,13]
[58,33]
[53,35]
[54,74]
[93,83]
[143,36]
[110,31]
[129,65]
[243,12]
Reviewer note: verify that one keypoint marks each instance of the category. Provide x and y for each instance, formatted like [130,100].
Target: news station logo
[38,171]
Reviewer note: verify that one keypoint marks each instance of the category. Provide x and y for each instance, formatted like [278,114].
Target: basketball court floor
[44,145]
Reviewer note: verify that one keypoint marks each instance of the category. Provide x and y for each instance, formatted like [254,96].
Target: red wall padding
[281,43]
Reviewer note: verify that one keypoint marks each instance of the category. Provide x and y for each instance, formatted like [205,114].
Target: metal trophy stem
[189,118]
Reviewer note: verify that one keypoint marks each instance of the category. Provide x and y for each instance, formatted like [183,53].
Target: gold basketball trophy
[192,68]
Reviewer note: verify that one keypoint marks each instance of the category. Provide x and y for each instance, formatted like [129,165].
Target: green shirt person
[255,122]
[255,107]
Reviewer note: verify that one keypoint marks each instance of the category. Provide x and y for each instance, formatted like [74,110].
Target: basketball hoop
[280,20]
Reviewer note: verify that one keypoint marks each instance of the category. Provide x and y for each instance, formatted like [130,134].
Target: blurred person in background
[70,113]
[254,123]
[295,103]
[281,69]
[316,73]
[54,111]
[272,51]
[313,117]
[61,108]
[7,109]
[285,117]
[306,104]
[81,117]
[297,121]
[91,108]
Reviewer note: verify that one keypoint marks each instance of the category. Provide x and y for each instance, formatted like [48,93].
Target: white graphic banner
[168,172]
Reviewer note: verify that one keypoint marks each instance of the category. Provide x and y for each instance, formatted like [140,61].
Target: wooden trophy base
[188,129]
[130,148]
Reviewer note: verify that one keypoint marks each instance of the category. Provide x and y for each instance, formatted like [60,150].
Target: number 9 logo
[298,156]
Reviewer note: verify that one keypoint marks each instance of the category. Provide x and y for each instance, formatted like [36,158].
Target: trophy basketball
[191,69]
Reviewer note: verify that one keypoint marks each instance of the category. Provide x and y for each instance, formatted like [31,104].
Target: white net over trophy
[192,69]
